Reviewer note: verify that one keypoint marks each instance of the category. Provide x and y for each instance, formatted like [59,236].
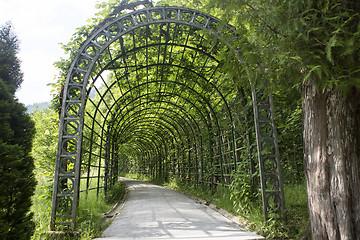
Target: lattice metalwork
[167,100]
[268,153]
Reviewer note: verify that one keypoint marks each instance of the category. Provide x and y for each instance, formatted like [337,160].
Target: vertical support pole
[196,162]
[67,168]
[234,146]
[249,127]
[108,165]
[252,167]
[221,156]
[189,173]
[212,170]
[202,169]
[268,153]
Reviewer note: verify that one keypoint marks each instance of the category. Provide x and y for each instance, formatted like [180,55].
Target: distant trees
[17,181]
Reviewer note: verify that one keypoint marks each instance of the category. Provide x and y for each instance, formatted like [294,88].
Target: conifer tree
[17,181]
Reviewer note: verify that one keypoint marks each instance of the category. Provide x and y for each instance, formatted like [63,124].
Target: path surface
[155,212]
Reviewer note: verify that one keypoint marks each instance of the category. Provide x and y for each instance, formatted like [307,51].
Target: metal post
[268,153]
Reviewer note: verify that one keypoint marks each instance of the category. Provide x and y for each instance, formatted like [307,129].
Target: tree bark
[331,131]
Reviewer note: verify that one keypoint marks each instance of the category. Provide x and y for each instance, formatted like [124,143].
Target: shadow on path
[156,212]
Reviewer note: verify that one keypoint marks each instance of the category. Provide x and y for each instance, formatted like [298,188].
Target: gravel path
[156,212]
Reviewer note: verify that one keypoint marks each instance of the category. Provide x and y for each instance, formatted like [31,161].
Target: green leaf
[331,43]
[316,68]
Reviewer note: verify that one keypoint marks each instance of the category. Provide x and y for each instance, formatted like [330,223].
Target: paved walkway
[155,212]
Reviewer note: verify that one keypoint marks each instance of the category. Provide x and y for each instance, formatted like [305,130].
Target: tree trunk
[331,125]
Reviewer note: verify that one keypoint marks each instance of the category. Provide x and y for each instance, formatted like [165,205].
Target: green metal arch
[172,82]
[76,90]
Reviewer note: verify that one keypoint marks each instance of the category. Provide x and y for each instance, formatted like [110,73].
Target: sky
[41,25]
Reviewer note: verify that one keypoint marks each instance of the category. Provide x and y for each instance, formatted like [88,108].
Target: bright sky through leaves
[40,26]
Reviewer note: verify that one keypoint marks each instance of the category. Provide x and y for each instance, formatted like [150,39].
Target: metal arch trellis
[172,119]
[67,169]
[191,118]
[124,106]
[164,93]
[211,110]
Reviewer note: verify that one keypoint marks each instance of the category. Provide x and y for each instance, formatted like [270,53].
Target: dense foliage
[299,40]
[90,217]
[44,152]
[17,182]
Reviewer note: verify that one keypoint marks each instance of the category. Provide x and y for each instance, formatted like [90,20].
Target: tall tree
[314,45]
[331,114]
[17,130]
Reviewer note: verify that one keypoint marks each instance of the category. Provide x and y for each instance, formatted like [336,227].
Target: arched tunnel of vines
[148,93]
[163,108]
